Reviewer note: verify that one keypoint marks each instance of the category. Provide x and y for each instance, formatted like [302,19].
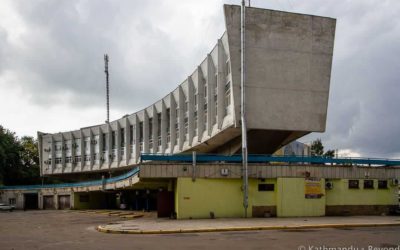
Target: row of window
[368,184]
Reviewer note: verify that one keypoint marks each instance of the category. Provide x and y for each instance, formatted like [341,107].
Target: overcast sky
[51,62]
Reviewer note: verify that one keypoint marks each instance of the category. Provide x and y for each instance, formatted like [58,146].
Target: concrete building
[289,59]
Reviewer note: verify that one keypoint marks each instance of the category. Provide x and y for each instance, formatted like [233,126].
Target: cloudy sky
[51,62]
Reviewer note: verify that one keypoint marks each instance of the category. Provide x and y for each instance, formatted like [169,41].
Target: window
[77,159]
[368,184]
[131,134]
[12,201]
[382,184]
[227,99]
[159,124]
[104,139]
[86,158]
[228,68]
[122,137]
[58,160]
[140,132]
[266,187]
[150,128]
[68,159]
[113,143]
[168,119]
[353,184]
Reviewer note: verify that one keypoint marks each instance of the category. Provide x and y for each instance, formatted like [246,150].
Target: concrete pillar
[191,109]
[210,93]
[173,106]
[221,81]
[181,103]
[200,104]
[163,127]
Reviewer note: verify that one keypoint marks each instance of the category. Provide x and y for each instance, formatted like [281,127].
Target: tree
[19,159]
[317,149]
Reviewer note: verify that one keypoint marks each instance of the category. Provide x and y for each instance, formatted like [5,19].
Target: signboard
[312,188]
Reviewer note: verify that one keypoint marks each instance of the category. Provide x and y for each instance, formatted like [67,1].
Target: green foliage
[19,159]
[317,149]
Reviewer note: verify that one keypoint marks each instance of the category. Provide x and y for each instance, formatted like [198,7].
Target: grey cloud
[65,41]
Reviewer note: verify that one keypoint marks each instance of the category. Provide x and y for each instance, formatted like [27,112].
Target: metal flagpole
[243,112]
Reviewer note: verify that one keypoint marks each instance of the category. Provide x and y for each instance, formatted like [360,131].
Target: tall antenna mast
[107,87]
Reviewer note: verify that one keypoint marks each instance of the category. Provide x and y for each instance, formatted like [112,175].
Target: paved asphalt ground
[73,230]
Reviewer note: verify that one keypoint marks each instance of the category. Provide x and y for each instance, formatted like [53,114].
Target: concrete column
[127,140]
[82,148]
[53,154]
[62,153]
[221,81]
[181,101]
[191,109]
[91,147]
[136,138]
[145,132]
[200,104]
[109,146]
[210,95]
[163,127]
[155,129]
[73,153]
[172,122]
[118,143]
[101,143]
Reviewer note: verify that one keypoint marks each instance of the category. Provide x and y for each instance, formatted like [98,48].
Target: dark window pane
[353,184]
[368,184]
[266,187]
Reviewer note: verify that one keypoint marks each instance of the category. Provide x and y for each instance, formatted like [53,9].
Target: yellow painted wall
[340,194]
[224,197]
[291,201]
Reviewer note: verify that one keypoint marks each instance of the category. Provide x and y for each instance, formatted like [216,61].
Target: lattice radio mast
[107,87]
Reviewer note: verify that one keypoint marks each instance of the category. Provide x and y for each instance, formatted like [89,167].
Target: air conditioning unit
[328,185]
[395,182]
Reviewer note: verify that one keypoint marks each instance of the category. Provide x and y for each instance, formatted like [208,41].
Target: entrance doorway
[31,201]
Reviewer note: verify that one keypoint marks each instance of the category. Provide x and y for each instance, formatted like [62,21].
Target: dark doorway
[31,201]
[48,202]
[165,204]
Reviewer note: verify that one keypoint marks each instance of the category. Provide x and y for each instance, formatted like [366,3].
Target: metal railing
[100,182]
[271,159]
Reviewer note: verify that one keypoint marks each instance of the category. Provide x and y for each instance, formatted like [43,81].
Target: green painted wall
[291,201]
[340,194]
[224,197]
[95,200]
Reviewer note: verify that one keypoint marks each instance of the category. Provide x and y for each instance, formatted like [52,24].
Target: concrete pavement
[165,226]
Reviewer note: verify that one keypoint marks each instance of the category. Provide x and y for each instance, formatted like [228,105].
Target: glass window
[382,184]
[122,137]
[368,184]
[353,184]
[266,187]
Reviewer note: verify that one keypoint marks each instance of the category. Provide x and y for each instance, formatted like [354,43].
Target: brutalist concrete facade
[288,58]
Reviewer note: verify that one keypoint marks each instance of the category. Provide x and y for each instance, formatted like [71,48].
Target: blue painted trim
[270,158]
[77,184]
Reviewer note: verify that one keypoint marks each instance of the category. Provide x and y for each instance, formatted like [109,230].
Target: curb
[103,229]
